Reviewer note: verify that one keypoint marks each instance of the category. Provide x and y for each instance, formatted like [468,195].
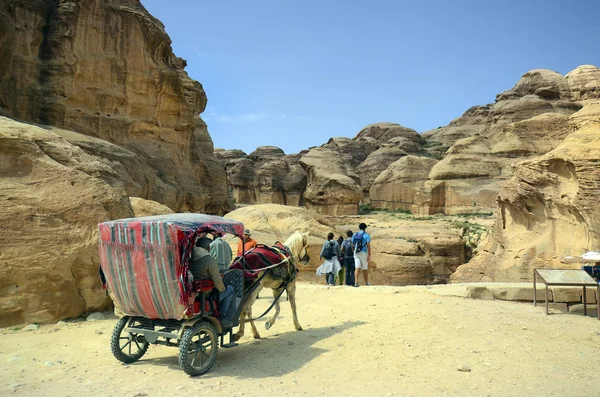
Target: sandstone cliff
[264,176]
[105,69]
[524,122]
[52,196]
[547,210]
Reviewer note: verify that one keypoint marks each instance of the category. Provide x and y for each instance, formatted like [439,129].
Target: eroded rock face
[547,210]
[526,121]
[374,164]
[266,153]
[383,132]
[584,82]
[330,189]
[396,187]
[265,176]
[68,64]
[142,207]
[52,196]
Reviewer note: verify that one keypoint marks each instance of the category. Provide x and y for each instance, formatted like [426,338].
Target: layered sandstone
[265,176]
[142,207]
[584,82]
[69,64]
[524,122]
[547,210]
[52,196]
[332,187]
[396,187]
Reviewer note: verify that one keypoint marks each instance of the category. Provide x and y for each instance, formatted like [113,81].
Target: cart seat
[206,285]
[207,294]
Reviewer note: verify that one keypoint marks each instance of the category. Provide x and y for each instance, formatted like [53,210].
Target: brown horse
[279,276]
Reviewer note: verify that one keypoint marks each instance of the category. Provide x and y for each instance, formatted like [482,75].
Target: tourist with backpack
[342,272]
[348,255]
[331,266]
[362,253]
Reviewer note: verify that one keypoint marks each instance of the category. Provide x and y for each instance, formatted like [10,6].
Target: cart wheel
[198,348]
[127,347]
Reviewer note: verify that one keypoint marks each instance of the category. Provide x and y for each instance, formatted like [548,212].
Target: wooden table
[567,278]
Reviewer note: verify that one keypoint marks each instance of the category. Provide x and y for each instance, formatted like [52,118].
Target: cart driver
[204,267]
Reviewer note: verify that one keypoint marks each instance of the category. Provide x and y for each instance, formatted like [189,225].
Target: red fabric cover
[258,258]
[145,261]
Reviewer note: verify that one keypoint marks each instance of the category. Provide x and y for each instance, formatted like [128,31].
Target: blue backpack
[357,240]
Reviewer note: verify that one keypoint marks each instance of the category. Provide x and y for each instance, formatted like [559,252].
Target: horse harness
[285,270]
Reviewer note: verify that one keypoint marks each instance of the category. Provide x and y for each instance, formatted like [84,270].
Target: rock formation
[332,187]
[472,123]
[68,64]
[265,176]
[396,187]
[548,209]
[52,196]
[142,207]
[402,254]
[584,83]
[525,122]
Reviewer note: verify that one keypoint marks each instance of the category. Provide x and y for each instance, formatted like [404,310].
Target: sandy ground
[375,341]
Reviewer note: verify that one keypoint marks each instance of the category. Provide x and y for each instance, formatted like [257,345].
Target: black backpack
[328,253]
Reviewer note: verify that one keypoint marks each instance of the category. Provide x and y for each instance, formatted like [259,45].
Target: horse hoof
[256,336]
[299,329]
[268,325]
[236,337]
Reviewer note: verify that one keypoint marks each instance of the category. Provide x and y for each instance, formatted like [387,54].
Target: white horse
[277,278]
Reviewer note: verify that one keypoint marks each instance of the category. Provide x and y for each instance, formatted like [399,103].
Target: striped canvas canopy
[145,261]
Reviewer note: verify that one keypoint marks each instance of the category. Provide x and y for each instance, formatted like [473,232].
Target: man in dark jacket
[348,253]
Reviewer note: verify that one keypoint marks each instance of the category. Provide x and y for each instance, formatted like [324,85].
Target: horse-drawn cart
[144,264]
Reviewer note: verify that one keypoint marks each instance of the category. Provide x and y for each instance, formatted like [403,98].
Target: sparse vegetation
[364,209]
[430,144]
[410,240]
[475,215]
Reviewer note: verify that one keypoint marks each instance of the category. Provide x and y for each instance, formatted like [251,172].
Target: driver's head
[203,242]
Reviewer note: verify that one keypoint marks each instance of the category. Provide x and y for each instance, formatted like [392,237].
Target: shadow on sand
[274,356]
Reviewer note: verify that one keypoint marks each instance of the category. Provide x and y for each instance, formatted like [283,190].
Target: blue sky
[294,73]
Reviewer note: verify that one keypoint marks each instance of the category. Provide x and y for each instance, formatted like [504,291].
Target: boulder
[242,179]
[375,163]
[52,197]
[224,155]
[396,187]
[383,132]
[66,65]
[330,189]
[294,184]
[270,178]
[584,82]
[142,207]
[544,83]
[266,153]
[547,210]
[472,123]
[351,152]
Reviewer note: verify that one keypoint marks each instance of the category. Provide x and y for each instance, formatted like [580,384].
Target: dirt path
[375,341]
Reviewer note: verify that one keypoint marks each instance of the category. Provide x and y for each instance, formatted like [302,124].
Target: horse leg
[246,313]
[252,325]
[271,321]
[291,290]
[238,335]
